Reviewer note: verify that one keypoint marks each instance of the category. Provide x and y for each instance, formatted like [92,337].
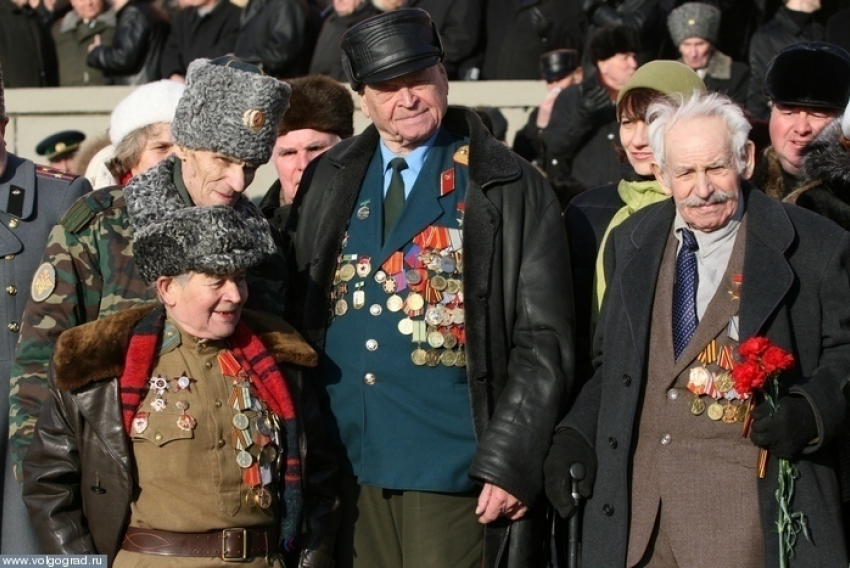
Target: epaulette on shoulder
[52,173]
[84,209]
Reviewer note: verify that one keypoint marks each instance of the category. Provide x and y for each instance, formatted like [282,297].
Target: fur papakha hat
[170,238]
[151,103]
[609,41]
[319,103]
[694,19]
[815,74]
[230,107]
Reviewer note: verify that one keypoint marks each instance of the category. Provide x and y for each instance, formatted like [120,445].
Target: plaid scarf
[266,378]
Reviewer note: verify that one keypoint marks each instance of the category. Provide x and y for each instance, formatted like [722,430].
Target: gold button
[221,443]
[218,404]
[208,364]
[14,327]
[369,378]
[11,290]
[13,223]
[158,437]
[10,256]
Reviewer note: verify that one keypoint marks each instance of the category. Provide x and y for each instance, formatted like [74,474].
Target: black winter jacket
[193,36]
[518,306]
[136,51]
[277,36]
[327,58]
[769,40]
[78,473]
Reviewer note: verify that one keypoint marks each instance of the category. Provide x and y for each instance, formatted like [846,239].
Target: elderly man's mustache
[716,197]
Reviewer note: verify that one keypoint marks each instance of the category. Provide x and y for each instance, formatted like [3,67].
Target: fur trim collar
[95,351]
[720,66]
[826,160]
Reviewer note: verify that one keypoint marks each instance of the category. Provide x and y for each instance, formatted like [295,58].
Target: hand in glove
[594,97]
[568,448]
[787,433]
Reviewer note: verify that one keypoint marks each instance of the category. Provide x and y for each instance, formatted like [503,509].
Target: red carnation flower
[748,376]
[753,347]
[776,359]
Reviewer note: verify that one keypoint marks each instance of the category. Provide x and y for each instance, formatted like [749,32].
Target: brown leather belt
[231,545]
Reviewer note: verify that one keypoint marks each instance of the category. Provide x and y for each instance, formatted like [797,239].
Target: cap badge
[253,120]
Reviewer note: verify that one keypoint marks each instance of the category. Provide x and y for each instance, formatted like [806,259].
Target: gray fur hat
[230,107]
[170,238]
[694,19]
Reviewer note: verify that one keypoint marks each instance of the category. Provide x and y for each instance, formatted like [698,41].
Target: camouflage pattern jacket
[93,275]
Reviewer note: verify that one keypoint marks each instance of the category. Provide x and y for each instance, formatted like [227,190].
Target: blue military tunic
[32,199]
[402,424]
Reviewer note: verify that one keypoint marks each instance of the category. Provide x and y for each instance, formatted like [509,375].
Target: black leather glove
[568,448]
[594,97]
[787,433]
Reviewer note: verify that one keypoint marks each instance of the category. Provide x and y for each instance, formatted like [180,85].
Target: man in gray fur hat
[224,128]
[32,199]
[694,27]
[431,275]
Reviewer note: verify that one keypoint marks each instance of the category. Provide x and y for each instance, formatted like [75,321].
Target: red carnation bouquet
[760,370]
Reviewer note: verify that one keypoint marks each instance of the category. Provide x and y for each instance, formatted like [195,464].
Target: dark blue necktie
[685,293]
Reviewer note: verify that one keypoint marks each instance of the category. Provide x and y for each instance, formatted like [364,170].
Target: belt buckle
[224,535]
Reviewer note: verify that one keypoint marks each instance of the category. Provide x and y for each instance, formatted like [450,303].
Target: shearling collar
[825,159]
[490,161]
[95,351]
[720,66]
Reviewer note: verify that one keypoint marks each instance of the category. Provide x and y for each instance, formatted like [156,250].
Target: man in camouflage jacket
[88,270]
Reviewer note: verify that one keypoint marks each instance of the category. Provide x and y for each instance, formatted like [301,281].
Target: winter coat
[27,53]
[72,38]
[825,177]
[135,54]
[798,308]
[728,77]
[518,33]
[460,24]
[78,473]
[517,301]
[193,36]
[277,36]
[327,58]
[769,40]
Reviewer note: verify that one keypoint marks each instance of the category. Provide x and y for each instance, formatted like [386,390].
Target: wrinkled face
[206,306]
[616,71]
[213,178]
[157,147]
[695,52]
[346,7]
[407,110]
[701,172]
[792,128]
[633,137]
[88,9]
[292,152]
[3,123]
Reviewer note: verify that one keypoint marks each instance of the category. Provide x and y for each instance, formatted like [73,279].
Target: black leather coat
[277,36]
[78,473]
[136,51]
[518,306]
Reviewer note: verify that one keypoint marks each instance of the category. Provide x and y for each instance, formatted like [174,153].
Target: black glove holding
[594,97]
[568,448]
[787,433]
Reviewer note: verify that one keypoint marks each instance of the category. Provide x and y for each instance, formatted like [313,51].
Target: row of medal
[718,387]
[429,276]
[159,386]
[256,434]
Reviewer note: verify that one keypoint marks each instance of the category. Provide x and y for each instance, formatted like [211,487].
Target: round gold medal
[723,382]
[730,414]
[449,340]
[448,358]
[715,411]
[452,286]
[347,272]
[415,301]
[461,359]
[418,356]
[439,283]
[432,359]
[696,406]
[394,303]
[435,339]
[405,326]
[341,307]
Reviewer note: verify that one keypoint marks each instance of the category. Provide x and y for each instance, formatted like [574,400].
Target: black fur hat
[815,74]
[319,103]
[611,40]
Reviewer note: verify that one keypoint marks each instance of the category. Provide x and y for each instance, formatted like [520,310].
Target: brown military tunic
[694,476]
[188,480]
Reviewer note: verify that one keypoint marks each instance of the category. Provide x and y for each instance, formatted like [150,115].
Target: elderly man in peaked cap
[431,277]
[808,85]
[32,199]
